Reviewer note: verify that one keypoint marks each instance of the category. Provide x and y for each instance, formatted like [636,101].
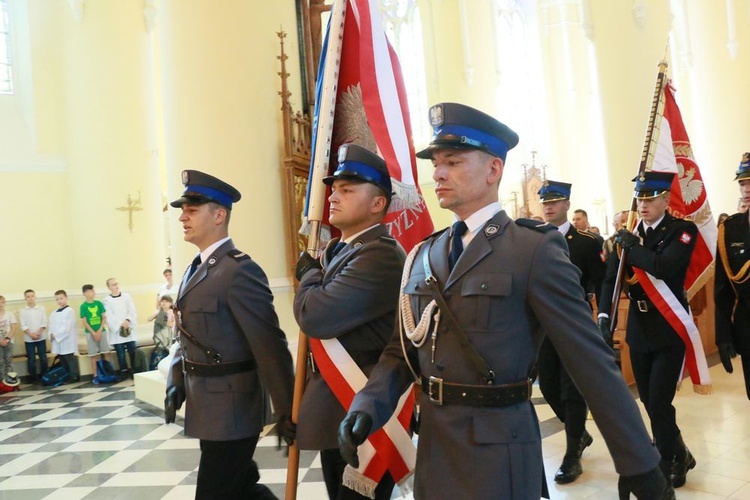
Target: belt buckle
[439,382]
[642,306]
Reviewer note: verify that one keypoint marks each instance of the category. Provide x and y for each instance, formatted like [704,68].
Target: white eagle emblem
[685,238]
[691,188]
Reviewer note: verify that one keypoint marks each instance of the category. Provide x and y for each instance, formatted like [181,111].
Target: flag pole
[647,158]
[316,204]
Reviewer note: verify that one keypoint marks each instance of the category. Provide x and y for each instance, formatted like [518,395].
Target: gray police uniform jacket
[510,284]
[227,306]
[354,300]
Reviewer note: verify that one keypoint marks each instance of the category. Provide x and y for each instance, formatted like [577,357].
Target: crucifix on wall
[132,206]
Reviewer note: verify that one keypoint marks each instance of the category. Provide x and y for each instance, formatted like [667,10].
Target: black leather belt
[364,358]
[441,393]
[218,370]
[643,305]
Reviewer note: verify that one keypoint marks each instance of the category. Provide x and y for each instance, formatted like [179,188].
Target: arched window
[6,73]
[6,70]
[403,27]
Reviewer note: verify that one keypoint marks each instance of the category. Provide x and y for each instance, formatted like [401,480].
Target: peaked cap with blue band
[652,184]
[743,172]
[203,188]
[554,191]
[356,162]
[456,126]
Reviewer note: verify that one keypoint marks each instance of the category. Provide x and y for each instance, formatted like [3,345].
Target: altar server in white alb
[121,320]
[63,335]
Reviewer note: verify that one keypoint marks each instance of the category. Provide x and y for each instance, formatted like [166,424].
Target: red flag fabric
[372,111]
[688,200]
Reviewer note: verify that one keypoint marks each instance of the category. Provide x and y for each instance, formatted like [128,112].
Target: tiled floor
[87,441]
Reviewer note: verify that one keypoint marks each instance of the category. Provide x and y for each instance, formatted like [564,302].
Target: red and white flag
[688,200]
[371,110]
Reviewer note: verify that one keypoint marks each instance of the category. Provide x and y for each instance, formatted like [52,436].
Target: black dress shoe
[680,469]
[569,470]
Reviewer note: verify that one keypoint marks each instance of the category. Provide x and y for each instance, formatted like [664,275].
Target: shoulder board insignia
[586,233]
[436,234]
[540,226]
[238,254]
[735,216]
[387,238]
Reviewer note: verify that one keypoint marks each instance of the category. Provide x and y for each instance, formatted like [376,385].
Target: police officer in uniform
[478,299]
[350,295]
[732,282]
[231,348]
[662,247]
[557,387]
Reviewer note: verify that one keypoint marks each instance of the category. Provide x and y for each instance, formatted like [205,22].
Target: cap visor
[550,199]
[647,195]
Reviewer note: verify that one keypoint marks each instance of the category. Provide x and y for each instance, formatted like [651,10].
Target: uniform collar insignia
[358,243]
[212,260]
[491,229]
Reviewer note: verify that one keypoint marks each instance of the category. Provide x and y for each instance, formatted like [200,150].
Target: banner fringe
[356,481]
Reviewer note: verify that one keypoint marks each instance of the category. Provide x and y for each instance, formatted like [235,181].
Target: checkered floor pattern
[95,442]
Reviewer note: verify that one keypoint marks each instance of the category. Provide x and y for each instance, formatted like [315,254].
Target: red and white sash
[391,447]
[681,320]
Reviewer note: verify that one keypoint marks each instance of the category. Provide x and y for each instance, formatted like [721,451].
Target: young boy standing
[62,333]
[34,325]
[7,329]
[94,318]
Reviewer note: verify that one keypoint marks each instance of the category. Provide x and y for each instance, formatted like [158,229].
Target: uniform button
[515,435]
[483,286]
[439,367]
[448,294]
[416,286]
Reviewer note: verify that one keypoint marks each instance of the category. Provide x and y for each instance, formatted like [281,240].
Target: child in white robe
[62,333]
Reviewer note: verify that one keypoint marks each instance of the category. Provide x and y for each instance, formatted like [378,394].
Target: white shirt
[119,309]
[205,254]
[62,331]
[476,221]
[654,225]
[32,319]
[564,227]
[354,236]
[166,290]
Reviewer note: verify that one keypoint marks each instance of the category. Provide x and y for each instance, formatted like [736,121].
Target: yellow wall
[107,108]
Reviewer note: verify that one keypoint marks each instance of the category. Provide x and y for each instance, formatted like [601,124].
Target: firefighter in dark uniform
[231,348]
[350,295]
[556,385]
[732,282]
[661,246]
[476,302]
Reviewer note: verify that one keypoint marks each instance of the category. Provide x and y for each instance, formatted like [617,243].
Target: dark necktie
[193,267]
[337,248]
[457,246]
[649,232]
